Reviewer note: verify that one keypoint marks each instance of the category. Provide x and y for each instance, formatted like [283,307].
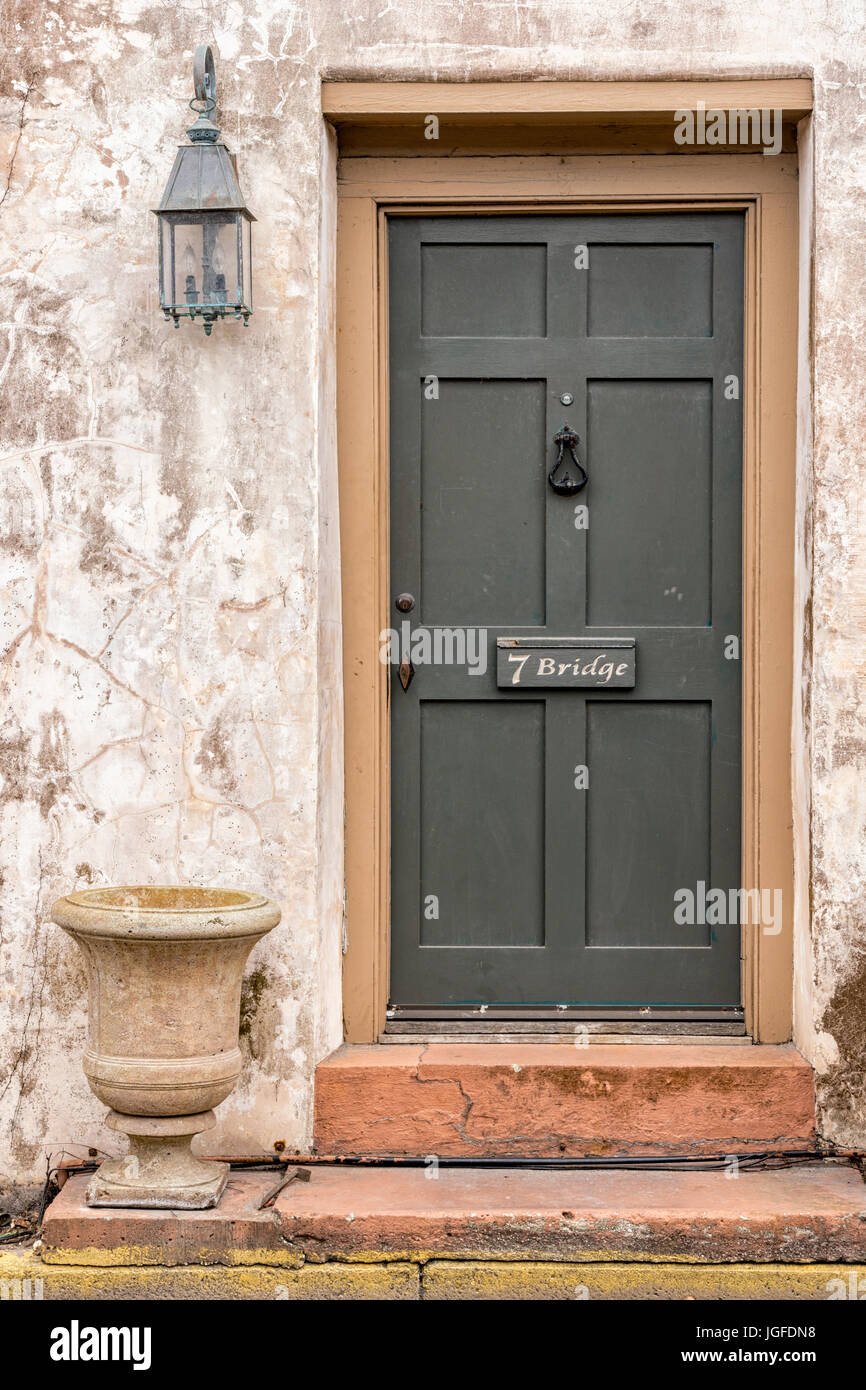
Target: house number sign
[565,662]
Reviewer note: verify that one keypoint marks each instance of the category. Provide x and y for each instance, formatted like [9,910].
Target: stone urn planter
[164,966]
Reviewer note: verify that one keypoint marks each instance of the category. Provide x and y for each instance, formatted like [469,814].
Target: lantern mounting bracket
[204,73]
[203,132]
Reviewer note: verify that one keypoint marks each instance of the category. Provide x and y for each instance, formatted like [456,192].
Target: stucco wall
[170,617]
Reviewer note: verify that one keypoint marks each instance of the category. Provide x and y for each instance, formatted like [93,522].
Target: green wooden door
[540,834]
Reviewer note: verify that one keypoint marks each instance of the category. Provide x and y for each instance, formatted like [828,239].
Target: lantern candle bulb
[219,279]
[189,271]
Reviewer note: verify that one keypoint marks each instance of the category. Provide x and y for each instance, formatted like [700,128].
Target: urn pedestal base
[160,1169]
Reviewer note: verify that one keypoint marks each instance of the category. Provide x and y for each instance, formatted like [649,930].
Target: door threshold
[567,1039]
[547,1031]
[507,1021]
[608,1016]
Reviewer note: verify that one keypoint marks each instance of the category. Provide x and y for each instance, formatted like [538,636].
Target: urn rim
[170,911]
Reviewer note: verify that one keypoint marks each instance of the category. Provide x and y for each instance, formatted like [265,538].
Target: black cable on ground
[765,1159]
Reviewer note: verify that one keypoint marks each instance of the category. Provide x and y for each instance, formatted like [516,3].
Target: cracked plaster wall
[170,614]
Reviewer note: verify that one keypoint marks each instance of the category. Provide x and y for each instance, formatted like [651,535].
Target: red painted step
[538,1099]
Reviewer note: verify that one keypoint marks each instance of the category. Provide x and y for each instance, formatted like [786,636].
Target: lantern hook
[204,102]
[204,74]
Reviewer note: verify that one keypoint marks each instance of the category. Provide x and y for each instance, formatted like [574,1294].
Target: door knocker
[566,485]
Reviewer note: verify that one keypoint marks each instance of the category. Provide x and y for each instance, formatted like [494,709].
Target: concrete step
[544,1100]
[812,1213]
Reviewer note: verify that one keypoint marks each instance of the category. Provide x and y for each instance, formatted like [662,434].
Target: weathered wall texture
[171,595]
[170,599]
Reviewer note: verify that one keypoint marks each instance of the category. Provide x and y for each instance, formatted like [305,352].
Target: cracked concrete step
[812,1213]
[236,1232]
[537,1100]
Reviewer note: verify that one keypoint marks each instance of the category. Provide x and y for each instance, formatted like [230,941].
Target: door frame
[371,189]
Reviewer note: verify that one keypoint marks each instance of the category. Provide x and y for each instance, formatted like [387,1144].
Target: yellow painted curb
[487,1280]
[24,1277]
[128,1256]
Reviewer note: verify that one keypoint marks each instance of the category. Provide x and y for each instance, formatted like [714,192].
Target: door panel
[649,544]
[648,820]
[519,879]
[468,575]
[461,291]
[484,762]
[650,291]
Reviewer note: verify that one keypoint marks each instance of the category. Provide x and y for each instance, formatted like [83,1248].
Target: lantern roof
[204,179]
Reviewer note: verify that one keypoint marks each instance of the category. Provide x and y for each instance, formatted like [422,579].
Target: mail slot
[565,663]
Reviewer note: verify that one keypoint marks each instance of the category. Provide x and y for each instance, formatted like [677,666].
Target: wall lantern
[205,264]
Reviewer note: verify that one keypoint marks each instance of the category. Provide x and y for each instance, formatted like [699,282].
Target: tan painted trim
[768,633]
[364,551]
[594,101]
[580,181]
[479,135]
[767,190]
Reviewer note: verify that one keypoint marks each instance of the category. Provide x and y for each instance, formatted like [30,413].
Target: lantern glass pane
[246,232]
[220,259]
[187,282]
[166,263]
[200,260]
